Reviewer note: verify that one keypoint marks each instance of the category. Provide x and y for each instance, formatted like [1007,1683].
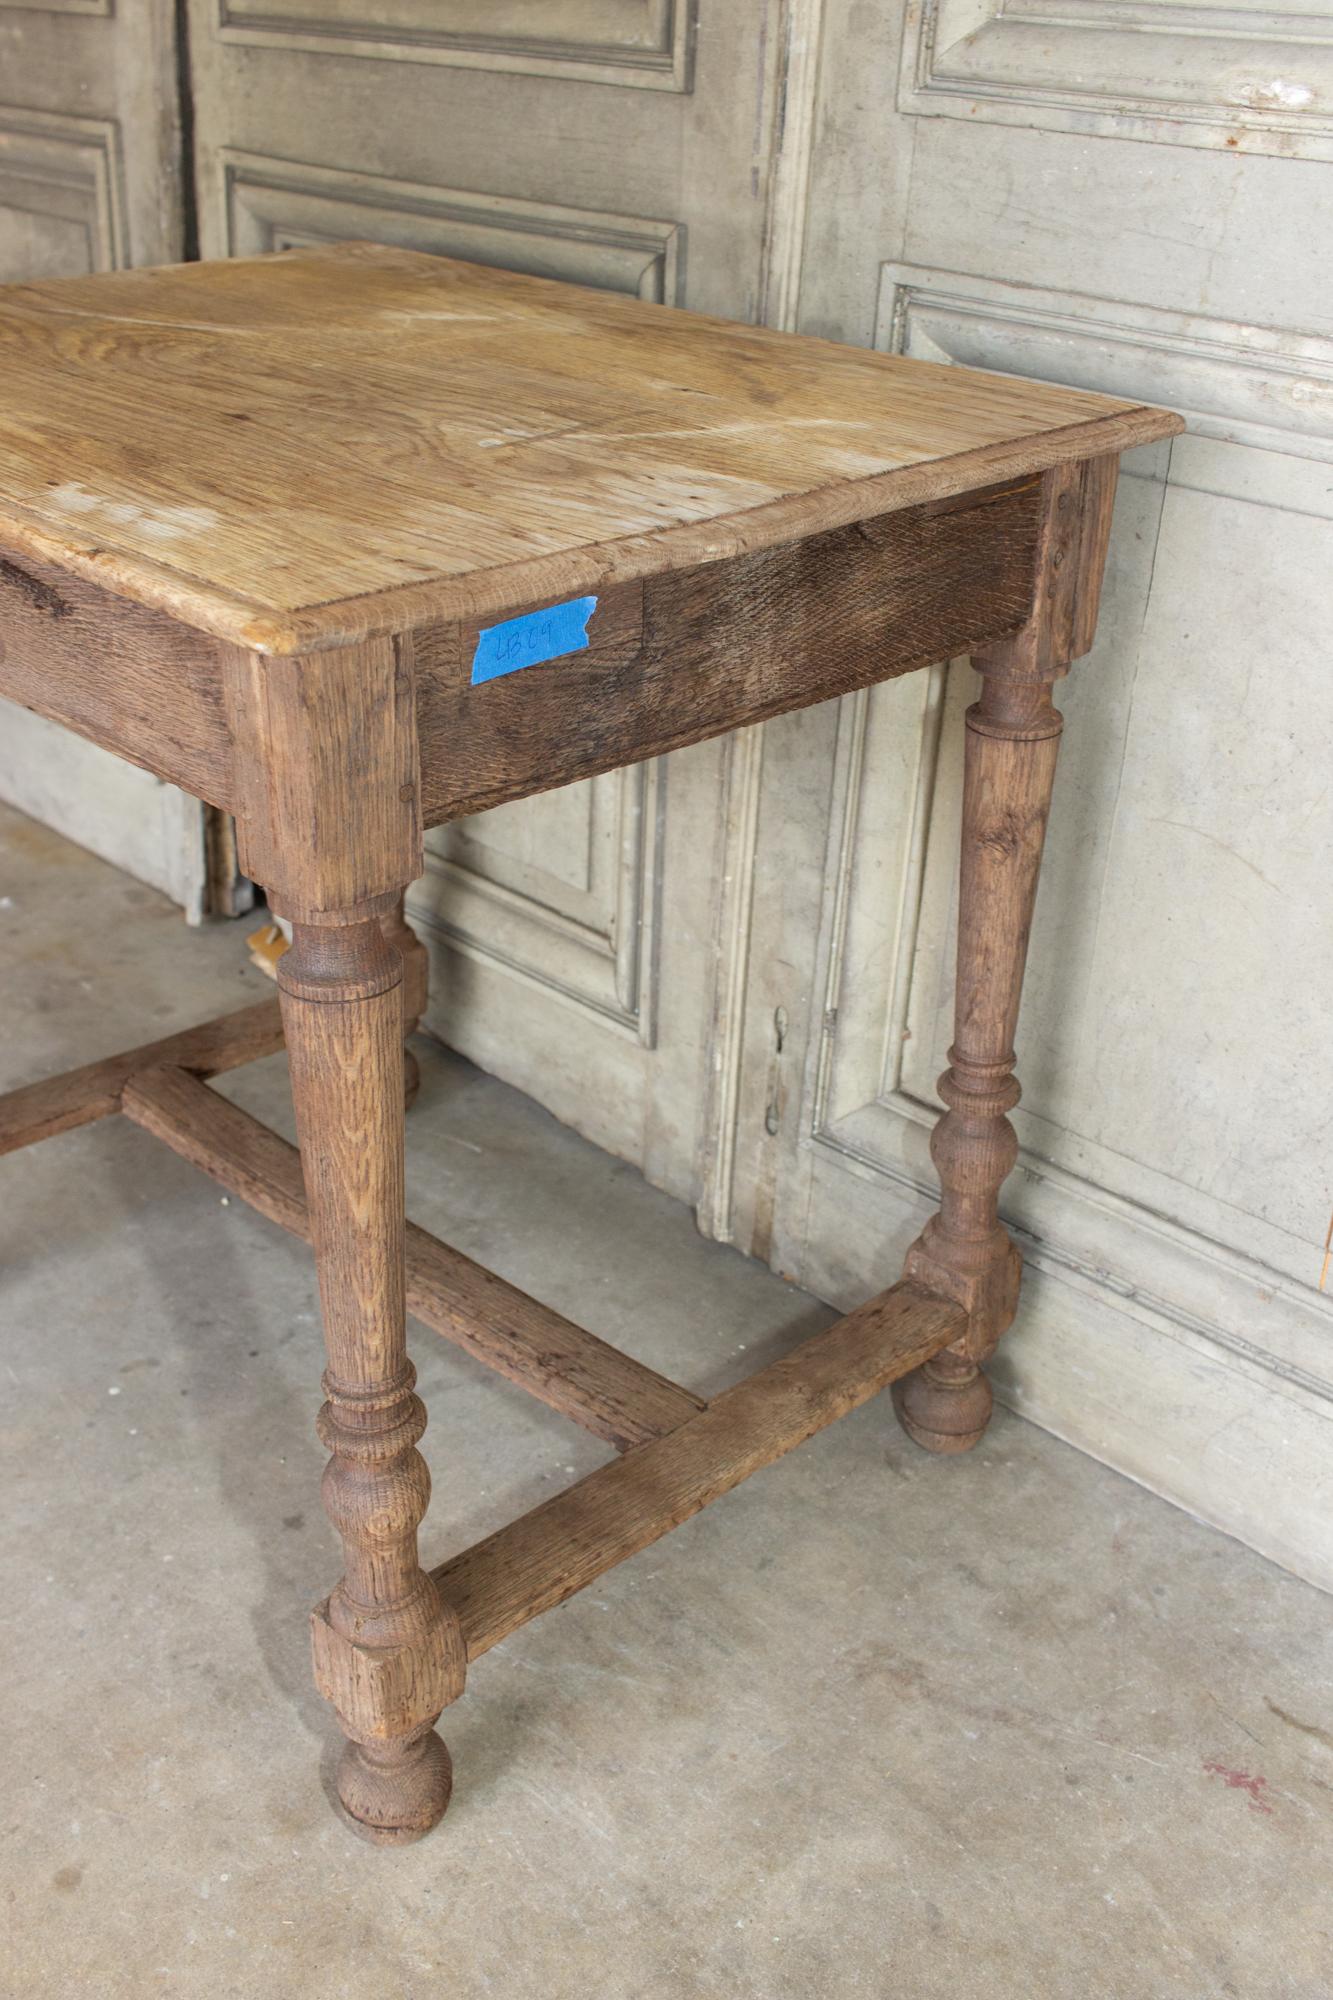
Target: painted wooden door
[601,141]
[90,180]
[1138,200]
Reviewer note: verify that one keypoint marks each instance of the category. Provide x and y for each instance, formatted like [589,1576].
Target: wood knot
[1009,834]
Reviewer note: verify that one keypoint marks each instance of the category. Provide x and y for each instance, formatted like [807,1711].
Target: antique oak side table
[350,541]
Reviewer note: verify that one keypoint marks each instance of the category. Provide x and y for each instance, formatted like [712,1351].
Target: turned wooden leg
[964,1252]
[416,989]
[1013,733]
[389,1654]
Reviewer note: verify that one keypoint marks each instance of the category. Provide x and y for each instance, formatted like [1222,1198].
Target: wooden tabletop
[295,451]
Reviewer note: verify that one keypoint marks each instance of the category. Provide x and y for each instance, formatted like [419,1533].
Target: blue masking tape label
[536,636]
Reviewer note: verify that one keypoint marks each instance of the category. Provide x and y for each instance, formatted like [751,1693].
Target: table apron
[132,680]
[670,659]
[675,658]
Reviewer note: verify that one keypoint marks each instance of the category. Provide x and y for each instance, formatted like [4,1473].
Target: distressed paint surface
[1176,1182]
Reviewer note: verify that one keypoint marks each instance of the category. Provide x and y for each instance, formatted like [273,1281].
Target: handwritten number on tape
[531,639]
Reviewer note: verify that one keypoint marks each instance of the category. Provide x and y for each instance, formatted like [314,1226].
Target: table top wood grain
[302,451]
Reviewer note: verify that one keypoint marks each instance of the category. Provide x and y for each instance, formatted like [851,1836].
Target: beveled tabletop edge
[247,623]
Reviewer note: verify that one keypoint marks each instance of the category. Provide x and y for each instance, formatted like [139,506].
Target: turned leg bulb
[945,1405]
[393,1793]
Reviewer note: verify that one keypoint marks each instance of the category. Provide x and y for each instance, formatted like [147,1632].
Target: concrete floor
[874,1724]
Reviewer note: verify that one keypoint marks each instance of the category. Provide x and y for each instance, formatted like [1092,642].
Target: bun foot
[945,1405]
[394,1792]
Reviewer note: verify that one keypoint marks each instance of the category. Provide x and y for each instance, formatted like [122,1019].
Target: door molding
[1147,1338]
[1071,1223]
[258,203]
[69,170]
[104,8]
[639,44]
[1268,387]
[1239,79]
[791,167]
[597,953]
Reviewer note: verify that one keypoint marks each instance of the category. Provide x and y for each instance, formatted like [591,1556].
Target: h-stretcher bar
[678,1452]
